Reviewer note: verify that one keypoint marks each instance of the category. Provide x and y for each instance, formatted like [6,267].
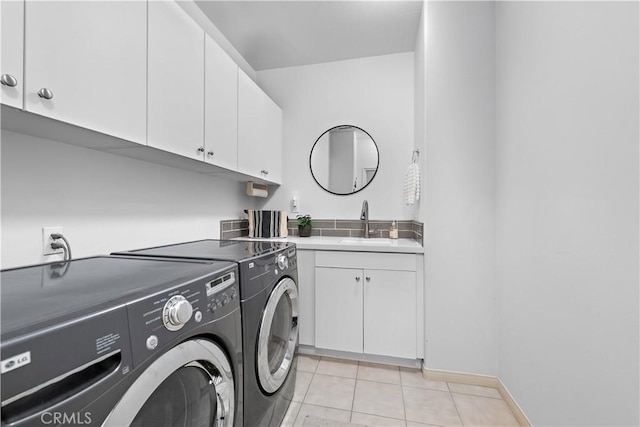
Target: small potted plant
[304,225]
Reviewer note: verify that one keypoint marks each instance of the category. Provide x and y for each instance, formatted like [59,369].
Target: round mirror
[344,160]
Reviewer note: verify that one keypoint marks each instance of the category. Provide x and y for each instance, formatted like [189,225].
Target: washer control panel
[222,292]
[176,312]
[167,315]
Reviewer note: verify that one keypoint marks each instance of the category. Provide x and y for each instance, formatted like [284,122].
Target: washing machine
[269,305]
[112,341]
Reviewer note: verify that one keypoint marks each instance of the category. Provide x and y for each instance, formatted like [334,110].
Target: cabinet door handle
[45,93]
[368,278]
[357,278]
[200,150]
[8,80]
[210,153]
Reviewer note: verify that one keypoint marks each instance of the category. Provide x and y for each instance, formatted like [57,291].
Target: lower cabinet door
[339,309]
[390,319]
[306,297]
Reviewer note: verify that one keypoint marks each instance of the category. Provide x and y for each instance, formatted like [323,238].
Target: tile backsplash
[407,229]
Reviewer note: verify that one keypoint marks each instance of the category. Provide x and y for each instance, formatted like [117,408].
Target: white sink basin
[366,242]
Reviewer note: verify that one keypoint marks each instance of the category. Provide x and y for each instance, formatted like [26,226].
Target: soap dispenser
[393,231]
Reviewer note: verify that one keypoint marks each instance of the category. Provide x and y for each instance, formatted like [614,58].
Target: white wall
[459,188]
[375,94]
[567,109]
[104,202]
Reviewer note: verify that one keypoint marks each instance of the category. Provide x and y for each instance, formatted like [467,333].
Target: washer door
[191,384]
[278,335]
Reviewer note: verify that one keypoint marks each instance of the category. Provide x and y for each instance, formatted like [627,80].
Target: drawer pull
[45,93]
[8,80]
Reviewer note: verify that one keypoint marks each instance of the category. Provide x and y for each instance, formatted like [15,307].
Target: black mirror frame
[372,178]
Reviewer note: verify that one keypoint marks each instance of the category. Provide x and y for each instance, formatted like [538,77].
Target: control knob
[225,299]
[283,262]
[177,311]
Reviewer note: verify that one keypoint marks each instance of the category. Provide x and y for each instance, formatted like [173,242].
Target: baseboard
[521,417]
[460,377]
[484,381]
[361,357]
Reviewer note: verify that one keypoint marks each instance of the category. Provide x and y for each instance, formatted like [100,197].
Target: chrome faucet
[364,215]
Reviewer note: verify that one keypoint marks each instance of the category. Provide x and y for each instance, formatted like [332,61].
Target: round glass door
[190,385]
[185,398]
[278,335]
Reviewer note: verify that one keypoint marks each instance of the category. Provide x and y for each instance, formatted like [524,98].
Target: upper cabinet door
[250,127]
[273,135]
[176,81]
[85,64]
[259,132]
[220,107]
[12,24]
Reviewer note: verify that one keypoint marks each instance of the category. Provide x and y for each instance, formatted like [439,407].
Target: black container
[304,230]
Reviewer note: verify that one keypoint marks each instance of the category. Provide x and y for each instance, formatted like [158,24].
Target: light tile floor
[381,395]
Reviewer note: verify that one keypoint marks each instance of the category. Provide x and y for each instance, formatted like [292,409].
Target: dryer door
[278,335]
[191,384]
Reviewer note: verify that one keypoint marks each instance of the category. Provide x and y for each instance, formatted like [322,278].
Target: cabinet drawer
[368,260]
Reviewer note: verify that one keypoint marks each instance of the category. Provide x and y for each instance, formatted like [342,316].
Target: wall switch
[47,240]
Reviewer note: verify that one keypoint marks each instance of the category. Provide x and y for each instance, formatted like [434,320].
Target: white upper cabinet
[220,107]
[176,81]
[259,132]
[85,64]
[141,71]
[273,143]
[12,24]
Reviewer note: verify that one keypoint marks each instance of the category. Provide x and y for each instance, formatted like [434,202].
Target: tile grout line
[355,386]
[313,375]
[455,405]
[404,407]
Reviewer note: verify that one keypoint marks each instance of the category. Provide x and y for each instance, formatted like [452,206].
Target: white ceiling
[276,34]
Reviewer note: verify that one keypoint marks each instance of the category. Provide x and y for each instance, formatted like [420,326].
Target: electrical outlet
[47,240]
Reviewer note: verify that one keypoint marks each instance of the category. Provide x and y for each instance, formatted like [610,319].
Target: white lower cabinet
[306,296]
[362,306]
[339,309]
[390,319]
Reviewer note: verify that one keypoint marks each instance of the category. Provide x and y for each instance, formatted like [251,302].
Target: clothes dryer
[112,341]
[269,305]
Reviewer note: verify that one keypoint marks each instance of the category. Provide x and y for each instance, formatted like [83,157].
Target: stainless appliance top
[43,295]
[228,250]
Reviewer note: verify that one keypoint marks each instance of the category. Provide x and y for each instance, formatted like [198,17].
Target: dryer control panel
[167,315]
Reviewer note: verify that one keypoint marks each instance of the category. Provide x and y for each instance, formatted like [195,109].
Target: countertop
[355,244]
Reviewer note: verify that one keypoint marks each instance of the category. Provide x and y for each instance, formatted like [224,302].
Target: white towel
[412,184]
